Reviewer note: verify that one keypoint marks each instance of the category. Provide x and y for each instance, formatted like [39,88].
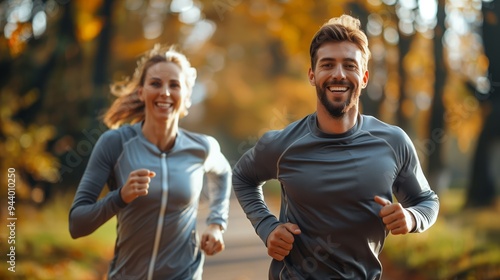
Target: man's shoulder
[392,134]
[373,124]
[291,132]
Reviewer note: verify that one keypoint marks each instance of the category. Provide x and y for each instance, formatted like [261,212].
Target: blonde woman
[154,171]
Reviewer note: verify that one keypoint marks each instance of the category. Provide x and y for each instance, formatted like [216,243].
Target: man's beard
[336,111]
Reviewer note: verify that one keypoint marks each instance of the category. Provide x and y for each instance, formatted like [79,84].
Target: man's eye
[156,84]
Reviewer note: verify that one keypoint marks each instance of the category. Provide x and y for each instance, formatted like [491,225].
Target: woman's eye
[156,84]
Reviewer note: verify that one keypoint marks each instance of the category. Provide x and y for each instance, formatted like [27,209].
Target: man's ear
[365,79]
[312,80]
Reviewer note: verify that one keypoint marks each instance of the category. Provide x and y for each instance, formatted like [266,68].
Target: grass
[462,244]
[45,249]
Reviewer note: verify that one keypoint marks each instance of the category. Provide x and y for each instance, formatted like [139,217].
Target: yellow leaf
[89,28]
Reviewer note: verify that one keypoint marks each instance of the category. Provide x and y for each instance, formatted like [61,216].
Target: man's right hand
[280,240]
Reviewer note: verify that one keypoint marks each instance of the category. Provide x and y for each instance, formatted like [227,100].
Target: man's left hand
[395,217]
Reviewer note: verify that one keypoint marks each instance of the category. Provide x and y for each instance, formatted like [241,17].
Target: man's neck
[331,125]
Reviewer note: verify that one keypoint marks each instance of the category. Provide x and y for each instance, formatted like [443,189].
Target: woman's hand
[137,184]
[211,240]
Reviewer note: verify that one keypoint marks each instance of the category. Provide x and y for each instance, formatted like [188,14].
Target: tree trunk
[481,190]
[403,47]
[100,76]
[435,165]
[40,75]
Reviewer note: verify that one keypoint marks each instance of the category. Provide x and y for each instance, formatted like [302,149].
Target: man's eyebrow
[351,60]
[347,59]
[326,59]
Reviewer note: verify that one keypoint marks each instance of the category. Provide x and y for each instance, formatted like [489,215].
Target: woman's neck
[161,134]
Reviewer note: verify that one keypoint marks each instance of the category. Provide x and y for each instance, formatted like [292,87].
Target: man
[338,170]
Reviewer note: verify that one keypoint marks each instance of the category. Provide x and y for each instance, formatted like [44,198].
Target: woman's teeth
[163,105]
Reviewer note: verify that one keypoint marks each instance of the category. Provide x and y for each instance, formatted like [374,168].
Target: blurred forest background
[435,71]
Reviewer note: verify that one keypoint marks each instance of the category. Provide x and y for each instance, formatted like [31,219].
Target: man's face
[338,77]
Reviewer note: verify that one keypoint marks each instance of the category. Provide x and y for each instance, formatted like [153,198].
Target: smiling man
[338,171]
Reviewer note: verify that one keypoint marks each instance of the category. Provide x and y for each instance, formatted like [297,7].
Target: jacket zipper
[161,216]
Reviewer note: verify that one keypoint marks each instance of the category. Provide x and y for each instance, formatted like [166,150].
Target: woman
[155,172]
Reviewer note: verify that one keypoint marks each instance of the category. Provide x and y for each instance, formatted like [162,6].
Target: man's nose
[338,72]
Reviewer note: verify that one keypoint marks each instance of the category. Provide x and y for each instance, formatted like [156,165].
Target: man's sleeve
[254,168]
[412,189]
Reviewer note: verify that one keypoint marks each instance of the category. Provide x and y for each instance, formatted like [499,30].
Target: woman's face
[164,92]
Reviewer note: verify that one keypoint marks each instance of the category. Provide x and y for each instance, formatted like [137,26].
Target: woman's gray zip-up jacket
[156,233]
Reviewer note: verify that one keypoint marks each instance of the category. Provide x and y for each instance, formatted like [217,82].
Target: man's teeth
[338,89]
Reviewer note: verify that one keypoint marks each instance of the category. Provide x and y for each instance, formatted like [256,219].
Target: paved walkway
[245,256]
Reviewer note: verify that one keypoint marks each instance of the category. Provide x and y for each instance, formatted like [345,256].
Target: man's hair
[338,29]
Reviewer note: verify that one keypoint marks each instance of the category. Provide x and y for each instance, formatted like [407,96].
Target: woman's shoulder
[205,140]
[118,135]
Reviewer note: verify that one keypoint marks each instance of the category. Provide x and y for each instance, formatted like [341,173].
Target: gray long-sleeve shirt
[156,233]
[328,185]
